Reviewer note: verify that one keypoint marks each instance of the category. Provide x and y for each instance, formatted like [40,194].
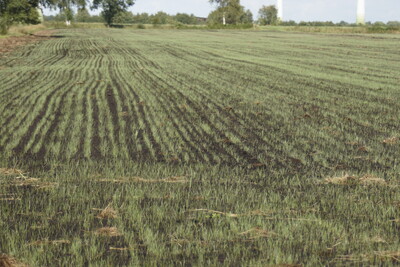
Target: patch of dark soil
[11,43]
[96,142]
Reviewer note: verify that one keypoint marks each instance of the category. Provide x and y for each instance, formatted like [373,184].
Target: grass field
[235,148]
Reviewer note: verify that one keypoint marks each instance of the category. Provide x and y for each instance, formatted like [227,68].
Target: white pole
[361,12]
[280,10]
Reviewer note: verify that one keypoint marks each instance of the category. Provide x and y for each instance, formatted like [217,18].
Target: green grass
[248,124]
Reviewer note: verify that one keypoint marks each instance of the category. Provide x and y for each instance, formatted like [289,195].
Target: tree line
[127,17]
[227,12]
[27,11]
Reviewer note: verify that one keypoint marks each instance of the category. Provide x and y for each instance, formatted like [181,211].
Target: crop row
[248,98]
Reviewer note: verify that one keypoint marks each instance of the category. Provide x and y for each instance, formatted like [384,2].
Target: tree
[185,18]
[66,10]
[142,18]
[268,15]
[69,15]
[14,11]
[247,17]
[26,11]
[124,17]
[111,8]
[82,15]
[229,12]
[160,18]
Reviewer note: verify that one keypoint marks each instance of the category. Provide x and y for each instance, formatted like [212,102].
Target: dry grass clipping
[391,141]
[258,232]
[352,180]
[50,242]
[34,182]
[352,258]
[107,213]
[108,232]
[21,179]
[123,114]
[172,180]
[10,199]
[377,239]
[227,214]
[251,213]
[8,261]
[118,249]
[285,265]
[11,171]
[394,255]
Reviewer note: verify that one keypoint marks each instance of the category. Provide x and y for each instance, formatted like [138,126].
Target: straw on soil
[50,242]
[11,171]
[391,141]
[107,213]
[228,214]
[351,180]
[286,265]
[8,261]
[394,255]
[34,182]
[266,216]
[258,232]
[10,198]
[108,231]
[118,249]
[377,239]
[173,179]
[351,258]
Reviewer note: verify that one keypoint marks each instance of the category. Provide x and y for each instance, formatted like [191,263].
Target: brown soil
[11,43]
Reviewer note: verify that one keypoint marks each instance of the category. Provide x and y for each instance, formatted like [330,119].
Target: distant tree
[304,23]
[342,23]
[247,17]
[69,15]
[393,23]
[160,18]
[268,15]
[65,7]
[82,15]
[229,12]
[142,18]
[379,23]
[288,23]
[96,18]
[111,8]
[61,16]
[185,18]
[124,17]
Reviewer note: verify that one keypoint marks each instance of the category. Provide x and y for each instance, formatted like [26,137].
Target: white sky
[298,10]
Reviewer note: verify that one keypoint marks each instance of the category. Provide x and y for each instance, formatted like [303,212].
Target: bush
[383,29]
[3,27]
[230,26]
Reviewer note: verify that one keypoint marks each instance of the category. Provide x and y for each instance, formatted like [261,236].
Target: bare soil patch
[11,43]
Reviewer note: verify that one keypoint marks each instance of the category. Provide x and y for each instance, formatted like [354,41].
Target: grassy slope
[252,121]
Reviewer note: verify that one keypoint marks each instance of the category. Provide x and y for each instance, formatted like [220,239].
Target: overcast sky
[298,10]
